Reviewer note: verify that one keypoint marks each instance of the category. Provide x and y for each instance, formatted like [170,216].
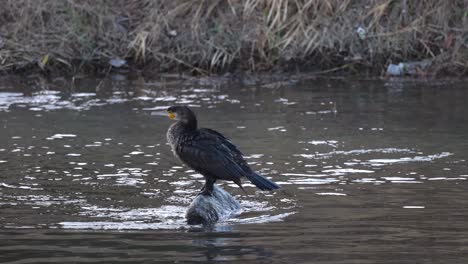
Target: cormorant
[209,153]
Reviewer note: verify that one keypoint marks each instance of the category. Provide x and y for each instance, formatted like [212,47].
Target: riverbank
[207,37]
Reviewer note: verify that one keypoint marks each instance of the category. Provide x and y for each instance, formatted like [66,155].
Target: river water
[372,171]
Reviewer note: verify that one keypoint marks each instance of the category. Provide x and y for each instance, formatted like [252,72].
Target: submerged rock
[210,209]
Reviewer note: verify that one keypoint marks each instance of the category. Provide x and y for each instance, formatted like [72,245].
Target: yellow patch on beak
[171,115]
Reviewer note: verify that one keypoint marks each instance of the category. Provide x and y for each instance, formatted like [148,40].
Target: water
[371,171]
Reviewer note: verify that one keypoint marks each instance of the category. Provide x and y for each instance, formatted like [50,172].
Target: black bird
[209,153]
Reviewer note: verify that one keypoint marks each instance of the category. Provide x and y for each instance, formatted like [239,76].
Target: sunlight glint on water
[356,161]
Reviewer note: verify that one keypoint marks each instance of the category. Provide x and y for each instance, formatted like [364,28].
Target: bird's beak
[171,115]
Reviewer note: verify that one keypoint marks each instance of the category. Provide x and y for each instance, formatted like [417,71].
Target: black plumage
[209,152]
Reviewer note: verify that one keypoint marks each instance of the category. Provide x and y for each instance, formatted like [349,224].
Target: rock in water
[208,210]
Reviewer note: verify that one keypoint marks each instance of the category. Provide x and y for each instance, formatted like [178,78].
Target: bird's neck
[190,124]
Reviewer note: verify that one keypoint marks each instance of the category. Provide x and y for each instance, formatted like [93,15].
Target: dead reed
[231,35]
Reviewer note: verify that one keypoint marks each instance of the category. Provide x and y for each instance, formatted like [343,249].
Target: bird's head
[181,113]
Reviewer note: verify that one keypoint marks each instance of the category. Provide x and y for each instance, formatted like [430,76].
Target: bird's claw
[205,192]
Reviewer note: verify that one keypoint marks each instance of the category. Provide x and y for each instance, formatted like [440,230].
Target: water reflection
[360,163]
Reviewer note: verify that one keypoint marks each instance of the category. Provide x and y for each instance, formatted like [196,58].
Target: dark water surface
[371,171]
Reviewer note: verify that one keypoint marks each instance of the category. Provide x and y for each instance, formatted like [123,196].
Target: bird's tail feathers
[261,182]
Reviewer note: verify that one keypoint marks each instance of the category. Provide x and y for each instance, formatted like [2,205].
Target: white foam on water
[313,181]
[112,175]
[25,187]
[275,128]
[305,175]
[414,207]
[182,183]
[327,155]
[83,94]
[254,156]
[73,154]
[61,136]
[156,108]
[346,171]
[136,153]
[165,217]
[332,193]
[368,180]
[406,181]
[261,219]
[127,225]
[332,143]
[143,98]
[398,178]
[446,178]
[412,159]
[165,99]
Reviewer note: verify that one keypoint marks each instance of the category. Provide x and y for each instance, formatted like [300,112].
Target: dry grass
[227,35]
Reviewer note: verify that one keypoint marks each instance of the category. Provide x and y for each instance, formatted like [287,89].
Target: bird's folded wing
[209,154]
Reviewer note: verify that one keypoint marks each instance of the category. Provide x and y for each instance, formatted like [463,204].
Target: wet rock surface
[208,210]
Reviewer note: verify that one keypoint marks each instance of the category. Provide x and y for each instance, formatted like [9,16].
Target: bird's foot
[205,192]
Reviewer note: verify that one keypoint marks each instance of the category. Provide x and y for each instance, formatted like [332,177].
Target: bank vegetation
[216,36]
